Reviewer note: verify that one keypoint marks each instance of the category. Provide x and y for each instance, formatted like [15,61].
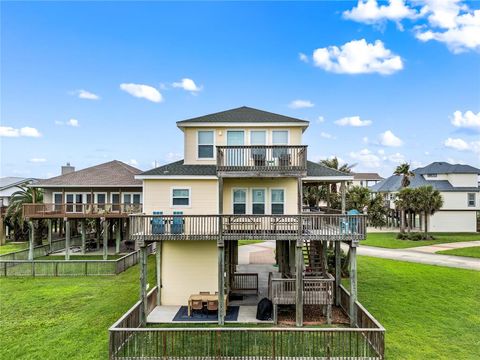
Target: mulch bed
[312,315]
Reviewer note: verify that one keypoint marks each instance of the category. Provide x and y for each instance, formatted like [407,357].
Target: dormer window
[206,144]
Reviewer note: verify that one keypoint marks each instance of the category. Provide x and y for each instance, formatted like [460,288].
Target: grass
[80,257]
[248,242]
[472,251]
[7,248]
[429,312]
[389,240]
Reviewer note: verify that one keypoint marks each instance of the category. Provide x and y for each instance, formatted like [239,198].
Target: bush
[414,236]
[331,262]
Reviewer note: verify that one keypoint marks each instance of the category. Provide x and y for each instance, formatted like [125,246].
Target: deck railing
[130,341]
[49,210]
[262,158]
[146,228]
[316,291]
[245,282]
[41,250]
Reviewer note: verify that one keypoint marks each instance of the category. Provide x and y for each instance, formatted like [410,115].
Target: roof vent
[67,169]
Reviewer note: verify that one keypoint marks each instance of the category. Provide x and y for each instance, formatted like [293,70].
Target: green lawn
[389,240]
[473,251]
[429,312]
[13,247]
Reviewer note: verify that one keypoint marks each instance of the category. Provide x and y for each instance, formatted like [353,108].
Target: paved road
[449,246]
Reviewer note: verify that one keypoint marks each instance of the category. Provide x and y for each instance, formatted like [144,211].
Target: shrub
[414,236]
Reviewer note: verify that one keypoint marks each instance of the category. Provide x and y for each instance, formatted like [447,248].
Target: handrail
[79,209]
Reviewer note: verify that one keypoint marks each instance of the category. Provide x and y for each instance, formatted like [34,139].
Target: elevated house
[365,179]
[242,179]
[105,193]
[458,185]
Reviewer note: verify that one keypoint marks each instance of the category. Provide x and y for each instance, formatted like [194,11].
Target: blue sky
[409,75]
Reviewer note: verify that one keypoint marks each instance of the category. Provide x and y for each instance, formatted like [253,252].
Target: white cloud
[132,162]
[320,119]
[457,144]
[37,160]
[354,121]
[365,140]
[84,94]
[326,135]
[8,131]
[467,120]
[369,12]
[187,85]
[396,158]
[303,57]
[366,158]
[172,156]
[301,104]
[358,57]
[388,138]
[142,91]
[73,123]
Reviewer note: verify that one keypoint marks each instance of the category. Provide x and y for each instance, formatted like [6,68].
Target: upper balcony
[79,210]
[261,160]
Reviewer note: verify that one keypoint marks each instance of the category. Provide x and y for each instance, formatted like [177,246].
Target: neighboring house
[365,179]
[9,185]
[107,191]
[458,185]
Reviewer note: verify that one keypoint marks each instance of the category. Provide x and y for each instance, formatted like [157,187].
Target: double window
[206,144]
[471,200]
[181,197]
[131,198]
[255,201]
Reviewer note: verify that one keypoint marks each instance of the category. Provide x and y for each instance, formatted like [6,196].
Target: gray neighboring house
[458,185]
[9,185]
[365,179]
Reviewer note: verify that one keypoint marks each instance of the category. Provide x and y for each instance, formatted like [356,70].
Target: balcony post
[117,236]
[300,194]
[31,239]
[83,235]
[221,282]
[67,238]
[143,285]
[353,284]
[158,264]
[299,282]
[105,239]
[49,233]
[338,272]
[343,194]
[220,195]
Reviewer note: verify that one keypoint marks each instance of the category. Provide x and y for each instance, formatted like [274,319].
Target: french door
[235,156]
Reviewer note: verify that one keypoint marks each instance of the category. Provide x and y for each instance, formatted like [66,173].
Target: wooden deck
[333,227]
[79,211]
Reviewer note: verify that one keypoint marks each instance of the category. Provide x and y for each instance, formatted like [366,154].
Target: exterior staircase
[312,255]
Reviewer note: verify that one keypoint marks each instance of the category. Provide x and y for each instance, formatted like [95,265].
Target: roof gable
[446,168]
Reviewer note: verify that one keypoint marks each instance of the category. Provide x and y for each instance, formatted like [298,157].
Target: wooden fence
[38,268]
[130,341]
[41,250]
[316,291]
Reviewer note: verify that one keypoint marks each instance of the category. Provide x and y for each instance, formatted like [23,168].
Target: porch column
[220,195]
[299,282]
[291,246]
[343,193]
[2,231]
[299,194]
[83,235]
[118,236]
[338,272]
[67,238]
[49,233]
[31,239]
[221,281]
[98,231]
[143,285]
[105,239]
[158,266]
[353,284]
[227,267]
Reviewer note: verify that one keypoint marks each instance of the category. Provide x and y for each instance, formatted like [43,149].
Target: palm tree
[429,202]
[358,197]
[25,195]
[404,171]
[334,164]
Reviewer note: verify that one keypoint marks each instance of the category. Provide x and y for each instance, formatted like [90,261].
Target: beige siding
[190,140]
[288,184]
[458,201]
[203,196]
[188,267]
[453,221]
[469,180]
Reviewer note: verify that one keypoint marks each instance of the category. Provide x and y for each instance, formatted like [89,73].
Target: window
[471,199]
[129,198]
[258,137]
[100,198]
[258,201]
[240,201]
[278,201]
[57,198]
[180,197]
[205,144]
[280,137]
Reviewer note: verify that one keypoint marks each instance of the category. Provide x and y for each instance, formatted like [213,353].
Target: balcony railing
[75,210]
[148,228]
[281,159]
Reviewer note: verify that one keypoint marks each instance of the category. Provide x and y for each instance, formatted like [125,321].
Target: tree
[358,197]
[377,211]
[25,195]
[429,202]
[407,202]
[404,171]
[312,194]
[334,164]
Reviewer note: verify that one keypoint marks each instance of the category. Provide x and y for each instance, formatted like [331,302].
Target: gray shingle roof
[446,168]
[113,173]
[367,176]
[243,114]
[178,168]
[9,181]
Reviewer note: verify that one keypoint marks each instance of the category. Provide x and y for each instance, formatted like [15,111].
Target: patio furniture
[212,305]
[196,305]
[204,292]
[259,156]
[158,224]
[177,223]
[204,299]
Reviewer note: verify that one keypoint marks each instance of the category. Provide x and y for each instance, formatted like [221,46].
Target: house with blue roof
[458,185]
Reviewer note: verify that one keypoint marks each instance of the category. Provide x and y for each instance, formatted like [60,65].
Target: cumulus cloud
[301,104]
[354,121]
[326,135]
[462,145]
[388,138]
[303,57]
[187,85]
[320,119]
[468,120]
[87,95]
[37,160]
[369,12]
[396,158]
[132,162]
[142,91]
[71,122]
[358,57]
[366,158]
[27,131]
